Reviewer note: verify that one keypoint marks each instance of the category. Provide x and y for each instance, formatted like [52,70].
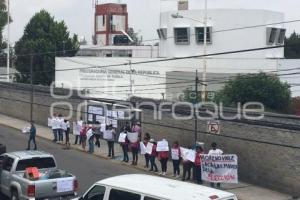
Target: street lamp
[176,16]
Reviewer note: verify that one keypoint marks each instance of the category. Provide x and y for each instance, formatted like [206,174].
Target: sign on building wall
[214,127]
[219,168]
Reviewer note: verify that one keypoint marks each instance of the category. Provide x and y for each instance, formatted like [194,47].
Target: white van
[146,187]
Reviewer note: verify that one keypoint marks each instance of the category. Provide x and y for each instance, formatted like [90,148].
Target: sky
[78,14]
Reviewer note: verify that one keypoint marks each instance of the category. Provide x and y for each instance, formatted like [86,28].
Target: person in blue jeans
[32,134]
[90,137]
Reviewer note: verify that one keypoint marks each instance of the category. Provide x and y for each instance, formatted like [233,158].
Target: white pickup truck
[53,183]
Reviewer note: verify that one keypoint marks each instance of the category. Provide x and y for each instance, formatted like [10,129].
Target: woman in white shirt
[215,151]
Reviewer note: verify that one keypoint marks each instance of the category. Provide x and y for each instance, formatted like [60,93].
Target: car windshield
[40,163]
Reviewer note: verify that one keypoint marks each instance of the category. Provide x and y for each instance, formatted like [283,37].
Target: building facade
[161,71]
[110,20]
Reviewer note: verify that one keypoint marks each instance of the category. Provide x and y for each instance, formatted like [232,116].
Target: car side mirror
[81,198]
[1,164]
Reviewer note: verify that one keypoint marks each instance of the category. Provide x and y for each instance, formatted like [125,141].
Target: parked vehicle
[52,182]
[146,187]
[2,149]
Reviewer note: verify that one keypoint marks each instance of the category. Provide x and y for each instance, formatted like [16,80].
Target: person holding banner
[197,165]
[32,134]
[153,156]
[78,127]
[215,151]
[187,166]
[163,156]
[135,146]
[146,140]
[83,135]
[66,128]
[60,128]
[124,142]
[55,127]
[90,134]
[175,154]
[109,136]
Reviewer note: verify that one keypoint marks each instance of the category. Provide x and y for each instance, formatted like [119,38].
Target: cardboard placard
[162,146]
[133,137]
[122,137]
[149,148]
[64,185]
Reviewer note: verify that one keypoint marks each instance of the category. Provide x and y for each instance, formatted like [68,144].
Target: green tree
[3,23]
[43,40]
[292,49]
[261,87]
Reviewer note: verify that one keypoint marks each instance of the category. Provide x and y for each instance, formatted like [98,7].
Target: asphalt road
[87,168]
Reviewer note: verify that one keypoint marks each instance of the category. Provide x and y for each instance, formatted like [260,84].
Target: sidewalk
[242,190]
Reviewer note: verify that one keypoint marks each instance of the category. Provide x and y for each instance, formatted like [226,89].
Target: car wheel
[14,195]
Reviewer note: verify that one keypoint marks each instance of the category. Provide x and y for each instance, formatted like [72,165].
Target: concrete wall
[273,166]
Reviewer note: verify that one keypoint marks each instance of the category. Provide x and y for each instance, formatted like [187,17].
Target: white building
[107,73]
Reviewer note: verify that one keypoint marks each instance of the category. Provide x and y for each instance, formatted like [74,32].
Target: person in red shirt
[152,157]
[83,135]
[175,153]
[163,157]
[197,165]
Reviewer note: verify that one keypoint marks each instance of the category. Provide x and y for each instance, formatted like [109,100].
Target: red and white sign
[214,127]
[219,168]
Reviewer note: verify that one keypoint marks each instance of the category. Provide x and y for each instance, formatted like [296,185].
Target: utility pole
[196,110]
[31,84]
[203,94]
[8,41]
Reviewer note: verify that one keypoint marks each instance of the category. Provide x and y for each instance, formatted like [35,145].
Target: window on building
[162,33]
[182,36]
[199,32]
[281,36]
[271,35]
[118,194]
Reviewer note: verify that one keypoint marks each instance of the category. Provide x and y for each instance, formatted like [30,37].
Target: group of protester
[91,134]
[60,127]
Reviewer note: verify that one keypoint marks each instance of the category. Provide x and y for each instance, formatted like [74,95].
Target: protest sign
[26,130]
[175,154]
[90,117]
[219,168]
[49,122]
[188,154]
[122,137]
[142,148]
[107,135]
[100,119]
[149,148]
[133,137]
[114,114]
[64,185]
[114,123]
[162,146]
[121,114]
